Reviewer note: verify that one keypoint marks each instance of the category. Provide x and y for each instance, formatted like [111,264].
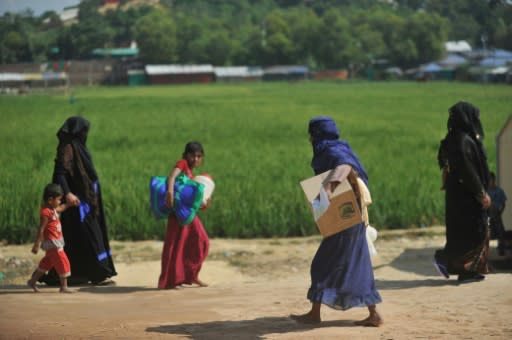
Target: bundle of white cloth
[366,200]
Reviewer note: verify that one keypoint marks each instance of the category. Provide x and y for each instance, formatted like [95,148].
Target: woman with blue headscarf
[341,271]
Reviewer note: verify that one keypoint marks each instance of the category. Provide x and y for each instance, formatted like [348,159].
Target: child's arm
[39,238]
[169,199]
[502,208]
[63,207]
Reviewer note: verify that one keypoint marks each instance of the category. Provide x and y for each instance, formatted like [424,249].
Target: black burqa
[84,227]
[466,179]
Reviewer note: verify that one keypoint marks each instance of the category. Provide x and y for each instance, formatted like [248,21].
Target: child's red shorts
[57,258]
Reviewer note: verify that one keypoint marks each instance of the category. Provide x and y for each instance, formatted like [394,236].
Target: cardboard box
[343,211]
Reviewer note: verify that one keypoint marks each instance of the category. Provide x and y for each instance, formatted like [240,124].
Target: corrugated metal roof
[492,62]
[12,77]
[286,69]
[135,72]
[239,71]
[54,75]
[178,69]
[33,76]
[457,46]
[453,59]
[69,14]
[499,70]
[431,67]
[116,52]
[498,53]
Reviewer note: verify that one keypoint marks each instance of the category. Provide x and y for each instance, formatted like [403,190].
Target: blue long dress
[341,271]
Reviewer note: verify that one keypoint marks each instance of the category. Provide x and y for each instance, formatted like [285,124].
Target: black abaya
[84,227]
[463,159]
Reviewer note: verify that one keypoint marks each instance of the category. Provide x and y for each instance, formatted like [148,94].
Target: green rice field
[256,145]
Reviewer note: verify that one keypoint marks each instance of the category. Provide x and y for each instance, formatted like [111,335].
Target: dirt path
[254,286]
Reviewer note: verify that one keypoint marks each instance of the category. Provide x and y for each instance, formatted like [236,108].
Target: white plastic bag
[371,236]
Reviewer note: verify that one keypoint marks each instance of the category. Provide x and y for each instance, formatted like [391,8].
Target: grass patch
[256,144]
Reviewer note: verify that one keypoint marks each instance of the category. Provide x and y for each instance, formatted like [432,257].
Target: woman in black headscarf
[83,226]
[463,160]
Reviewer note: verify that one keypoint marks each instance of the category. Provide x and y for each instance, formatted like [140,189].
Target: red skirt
[185,249]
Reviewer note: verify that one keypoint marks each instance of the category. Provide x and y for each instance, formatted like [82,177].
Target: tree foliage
[319,33]
[156,36]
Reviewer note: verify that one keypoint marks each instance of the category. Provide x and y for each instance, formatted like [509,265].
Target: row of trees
[320,34]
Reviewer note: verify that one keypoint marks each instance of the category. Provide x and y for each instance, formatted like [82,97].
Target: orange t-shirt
[183,166]
[52,234]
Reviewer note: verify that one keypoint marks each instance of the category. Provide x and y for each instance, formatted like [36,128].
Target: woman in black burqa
[83,226]
[463,160]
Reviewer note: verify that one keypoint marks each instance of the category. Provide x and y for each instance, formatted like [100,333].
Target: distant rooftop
[178,69]
[69,13]
[457,46]
[116,52]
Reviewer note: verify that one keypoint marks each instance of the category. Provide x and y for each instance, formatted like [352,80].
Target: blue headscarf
[328,150]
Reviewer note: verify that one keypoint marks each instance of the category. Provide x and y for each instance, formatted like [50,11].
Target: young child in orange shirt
[51,240]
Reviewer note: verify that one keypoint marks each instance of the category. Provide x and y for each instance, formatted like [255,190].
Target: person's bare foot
[200,283]
[66,290]
[32,284]
[307,318]
[372,321]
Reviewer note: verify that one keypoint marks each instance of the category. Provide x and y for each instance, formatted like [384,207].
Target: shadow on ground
[243,329]
[24,289]
[419,262]
[116,289]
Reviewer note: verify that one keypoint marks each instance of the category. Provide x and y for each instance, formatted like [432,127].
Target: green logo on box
[347,210]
